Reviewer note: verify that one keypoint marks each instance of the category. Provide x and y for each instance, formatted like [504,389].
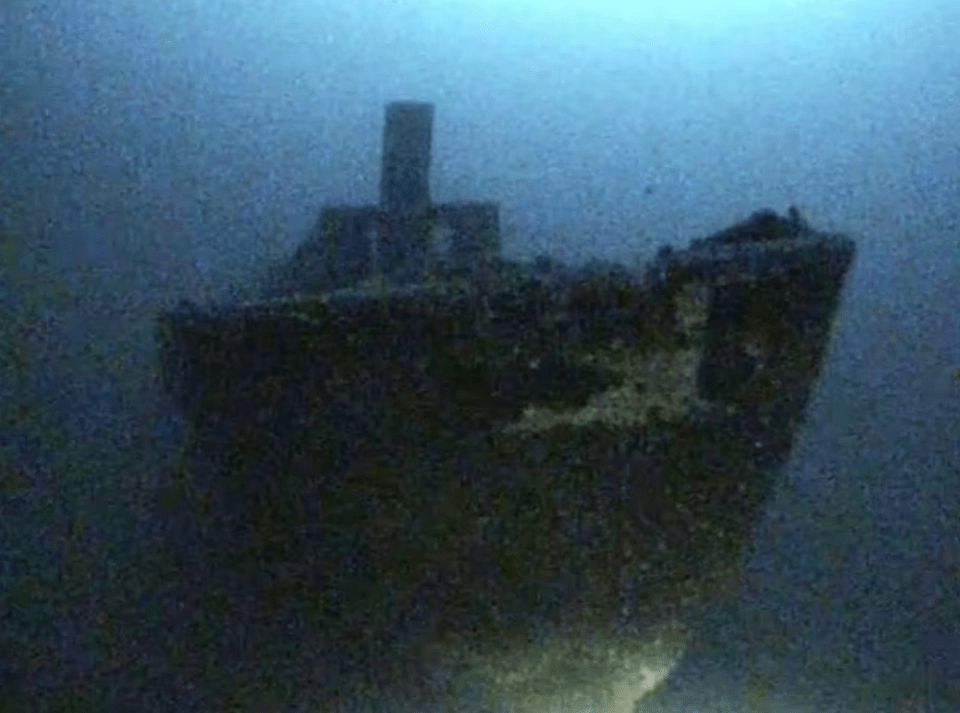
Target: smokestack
[405,171]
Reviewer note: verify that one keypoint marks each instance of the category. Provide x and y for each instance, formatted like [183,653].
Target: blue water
[852,597]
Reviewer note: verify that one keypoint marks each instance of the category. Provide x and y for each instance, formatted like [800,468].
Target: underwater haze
[151,152]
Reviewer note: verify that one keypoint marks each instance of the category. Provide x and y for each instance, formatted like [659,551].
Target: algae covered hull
[549,440]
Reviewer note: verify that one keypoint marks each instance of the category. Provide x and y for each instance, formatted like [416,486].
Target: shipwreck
[502,442]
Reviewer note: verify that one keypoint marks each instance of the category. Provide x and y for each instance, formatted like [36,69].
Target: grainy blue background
[155,151]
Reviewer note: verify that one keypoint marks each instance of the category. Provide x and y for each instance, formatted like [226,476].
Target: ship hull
[556,447]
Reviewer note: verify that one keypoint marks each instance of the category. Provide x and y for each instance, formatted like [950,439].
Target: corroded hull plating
[554,444]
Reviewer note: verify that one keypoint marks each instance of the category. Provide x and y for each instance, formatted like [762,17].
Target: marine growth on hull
[528,452]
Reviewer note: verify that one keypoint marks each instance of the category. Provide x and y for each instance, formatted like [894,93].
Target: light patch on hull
[607,673]
[664,382]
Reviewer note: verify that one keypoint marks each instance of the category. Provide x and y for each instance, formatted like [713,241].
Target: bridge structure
[407,238]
